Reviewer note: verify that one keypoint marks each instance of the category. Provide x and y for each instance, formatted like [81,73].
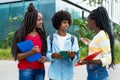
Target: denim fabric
[62,69]
[106,78]
[96,72]
[32,74]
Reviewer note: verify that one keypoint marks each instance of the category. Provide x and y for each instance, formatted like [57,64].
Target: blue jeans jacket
[96,72]
[61,69]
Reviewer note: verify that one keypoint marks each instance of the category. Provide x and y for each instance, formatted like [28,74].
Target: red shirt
[23,63]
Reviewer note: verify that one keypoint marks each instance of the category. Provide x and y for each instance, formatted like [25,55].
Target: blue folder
[26,46]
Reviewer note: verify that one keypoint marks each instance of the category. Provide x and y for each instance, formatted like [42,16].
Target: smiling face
[39,21]
[64,25]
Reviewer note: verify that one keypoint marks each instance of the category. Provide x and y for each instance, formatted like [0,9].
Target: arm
[105,56]
[34,50]
[85,41]
[105,46]
[74,51]
[49,52]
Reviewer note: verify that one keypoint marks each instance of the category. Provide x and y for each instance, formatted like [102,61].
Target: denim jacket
[61,69]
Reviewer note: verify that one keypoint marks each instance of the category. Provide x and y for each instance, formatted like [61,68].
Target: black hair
[59,17]
[28,24]
[101,18]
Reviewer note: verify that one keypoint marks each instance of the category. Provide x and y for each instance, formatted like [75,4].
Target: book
[90,57]
[26,46]
[93,55]
[64,54]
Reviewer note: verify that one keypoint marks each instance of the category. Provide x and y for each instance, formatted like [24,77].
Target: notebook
[64,54]
[26,46]
[90,57]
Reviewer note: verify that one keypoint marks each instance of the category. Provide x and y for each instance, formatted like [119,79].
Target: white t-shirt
[61,41]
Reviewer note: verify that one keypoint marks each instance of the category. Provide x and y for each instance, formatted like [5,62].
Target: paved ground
[9,71]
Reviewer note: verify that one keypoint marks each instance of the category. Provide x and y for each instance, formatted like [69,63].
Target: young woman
[31,29]
[99,22]
[61,68]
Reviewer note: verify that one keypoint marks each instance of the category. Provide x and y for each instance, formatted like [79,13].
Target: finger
[36,46]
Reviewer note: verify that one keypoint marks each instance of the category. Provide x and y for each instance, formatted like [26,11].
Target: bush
[5,54]
[117,51]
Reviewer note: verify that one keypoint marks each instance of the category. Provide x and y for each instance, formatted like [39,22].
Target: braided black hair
[27,26]
[101,18]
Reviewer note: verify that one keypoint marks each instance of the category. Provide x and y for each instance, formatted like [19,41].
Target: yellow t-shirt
[101,42]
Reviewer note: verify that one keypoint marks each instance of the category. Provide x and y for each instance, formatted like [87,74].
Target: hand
[82,62]
[71,54]
[56,55]
[85,41]
[42,60]
[35,49]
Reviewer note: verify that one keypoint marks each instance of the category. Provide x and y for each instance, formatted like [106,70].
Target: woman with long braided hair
[99,22]
[32,28]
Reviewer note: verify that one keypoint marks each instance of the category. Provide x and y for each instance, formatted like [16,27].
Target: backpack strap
[72,39]
[51,40]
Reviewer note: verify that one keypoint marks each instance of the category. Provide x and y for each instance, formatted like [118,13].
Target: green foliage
[2,43]
[10,34]
[5,43]
[9,38]
[80,30]
[117,51]
[84,52]
[116,31]
[5,54]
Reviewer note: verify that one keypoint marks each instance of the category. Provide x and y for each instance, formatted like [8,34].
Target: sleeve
[106,56]
[75,48]
[49,52]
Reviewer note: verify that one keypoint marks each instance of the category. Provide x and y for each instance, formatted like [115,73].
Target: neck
[61,33]
[96,30]
[34,30]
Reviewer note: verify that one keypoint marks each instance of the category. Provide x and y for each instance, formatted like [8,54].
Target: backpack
[51,40]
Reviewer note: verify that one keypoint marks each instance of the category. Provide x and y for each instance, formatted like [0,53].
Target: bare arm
[98,62]
[34,50]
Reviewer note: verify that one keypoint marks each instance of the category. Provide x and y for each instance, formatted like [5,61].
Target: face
[90,23]
[64,25]
[39,21]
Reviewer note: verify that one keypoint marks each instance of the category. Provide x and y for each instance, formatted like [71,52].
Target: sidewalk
[9,71]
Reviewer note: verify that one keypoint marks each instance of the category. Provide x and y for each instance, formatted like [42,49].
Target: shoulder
[51,36]
[102,34]
[71,35]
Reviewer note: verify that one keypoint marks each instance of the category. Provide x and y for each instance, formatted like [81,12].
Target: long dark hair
[28,24]
[101,18]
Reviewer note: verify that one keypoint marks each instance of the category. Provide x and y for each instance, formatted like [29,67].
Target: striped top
[101,42]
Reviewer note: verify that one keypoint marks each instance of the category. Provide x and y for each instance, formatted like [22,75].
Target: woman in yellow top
[99,22]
